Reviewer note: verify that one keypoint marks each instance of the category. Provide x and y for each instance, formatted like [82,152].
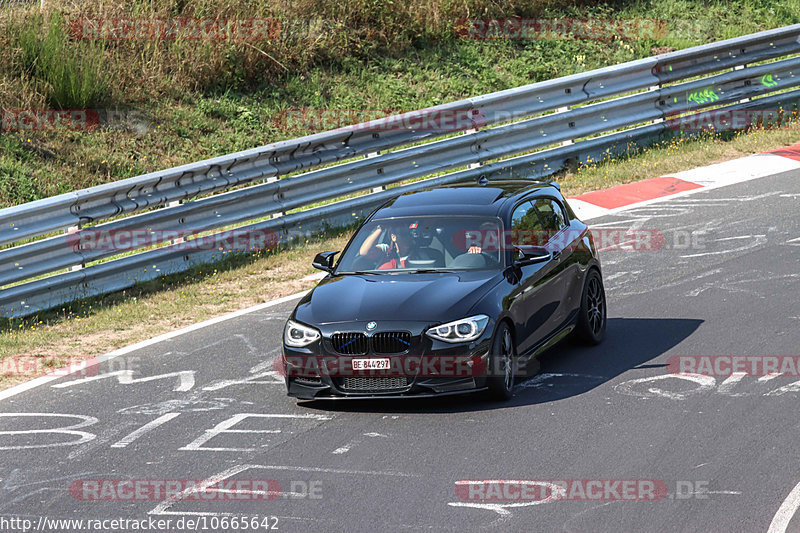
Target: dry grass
[311,33]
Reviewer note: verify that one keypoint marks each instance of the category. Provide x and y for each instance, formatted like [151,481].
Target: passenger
[394,254]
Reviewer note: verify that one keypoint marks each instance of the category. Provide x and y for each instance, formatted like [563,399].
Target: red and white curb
[608,201]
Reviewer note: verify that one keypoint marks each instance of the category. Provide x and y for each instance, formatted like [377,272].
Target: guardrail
[575,118]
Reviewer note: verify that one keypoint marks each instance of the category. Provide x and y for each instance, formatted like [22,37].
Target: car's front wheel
[592,316]
[503,363]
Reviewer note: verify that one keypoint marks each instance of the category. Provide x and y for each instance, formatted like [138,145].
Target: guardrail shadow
[569,369]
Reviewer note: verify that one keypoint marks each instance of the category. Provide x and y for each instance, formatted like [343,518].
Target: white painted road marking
[226,425]
[340,471]
[125,377]
[780,522]
[271,377]
[503,508]
[162,508]
[144,429]
[66,430]
[343,449]
[703,384]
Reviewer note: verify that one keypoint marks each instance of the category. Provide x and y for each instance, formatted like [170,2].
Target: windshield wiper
[356,272]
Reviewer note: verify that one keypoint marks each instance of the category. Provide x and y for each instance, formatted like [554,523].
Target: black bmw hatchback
[446,291]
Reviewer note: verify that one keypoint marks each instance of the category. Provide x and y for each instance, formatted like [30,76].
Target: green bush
[71,77]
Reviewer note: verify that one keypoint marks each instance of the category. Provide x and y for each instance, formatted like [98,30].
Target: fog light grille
[372,384]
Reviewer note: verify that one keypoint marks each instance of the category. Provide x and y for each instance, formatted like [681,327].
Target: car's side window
[524,217]
[551,214]
[526,225]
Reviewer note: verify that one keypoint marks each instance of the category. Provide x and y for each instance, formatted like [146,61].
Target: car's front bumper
[428,368]
[329,388]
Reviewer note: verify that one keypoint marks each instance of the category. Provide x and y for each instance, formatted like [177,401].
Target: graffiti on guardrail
[702,96]
[768,80]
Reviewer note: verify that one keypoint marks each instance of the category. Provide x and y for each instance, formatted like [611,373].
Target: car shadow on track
[569,369]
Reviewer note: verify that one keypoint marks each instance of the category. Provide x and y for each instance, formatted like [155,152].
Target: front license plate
[370,364]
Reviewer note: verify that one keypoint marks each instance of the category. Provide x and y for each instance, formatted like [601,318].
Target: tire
[503,360]
[591,327]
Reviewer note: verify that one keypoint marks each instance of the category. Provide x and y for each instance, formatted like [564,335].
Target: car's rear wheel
[592,316]
[503,363]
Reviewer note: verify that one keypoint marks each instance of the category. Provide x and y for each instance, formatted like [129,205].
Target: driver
[485,228]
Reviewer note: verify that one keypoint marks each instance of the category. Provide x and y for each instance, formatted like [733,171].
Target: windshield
[424,243]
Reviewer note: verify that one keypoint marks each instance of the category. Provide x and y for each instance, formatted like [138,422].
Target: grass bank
[179,101]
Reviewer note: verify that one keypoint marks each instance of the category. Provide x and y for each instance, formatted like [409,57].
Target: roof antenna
[483,180]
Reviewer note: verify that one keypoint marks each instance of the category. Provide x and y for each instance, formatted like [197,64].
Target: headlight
[464,330]
[298,335]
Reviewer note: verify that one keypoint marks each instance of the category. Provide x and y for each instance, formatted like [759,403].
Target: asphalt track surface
[726,282]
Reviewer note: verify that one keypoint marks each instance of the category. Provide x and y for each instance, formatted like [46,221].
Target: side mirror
[529,255]
[324,261]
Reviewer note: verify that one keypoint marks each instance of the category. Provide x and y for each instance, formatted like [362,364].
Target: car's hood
[434,297]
